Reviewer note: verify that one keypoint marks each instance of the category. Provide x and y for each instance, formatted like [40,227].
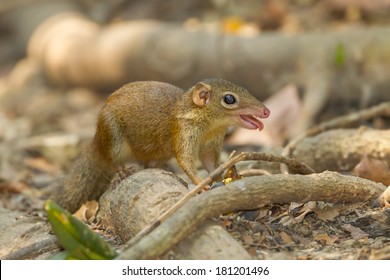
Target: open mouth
[251,122]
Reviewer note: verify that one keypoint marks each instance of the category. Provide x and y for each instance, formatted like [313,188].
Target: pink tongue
[252,120]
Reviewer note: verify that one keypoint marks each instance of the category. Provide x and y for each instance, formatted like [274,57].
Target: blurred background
[308,60]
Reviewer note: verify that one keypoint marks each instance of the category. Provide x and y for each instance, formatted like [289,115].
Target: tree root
[343,149]
[382,109]
[33,250]
[292,163]
[250,193]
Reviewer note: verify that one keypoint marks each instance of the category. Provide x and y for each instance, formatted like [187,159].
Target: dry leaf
[226,223]
[327,214]
[325,238]
[294,209]
[324,211]
[299,208]
[374,169]
[356,232]
[87,211]
[381,254]
[231,25]
[42,165]
[252,251]
[262,213]
[384,198]
[286,238]
[231,175]
[311,205]
[303,241]
[12,187]
[294,205]
[247,238]
[302,216]
[287,220]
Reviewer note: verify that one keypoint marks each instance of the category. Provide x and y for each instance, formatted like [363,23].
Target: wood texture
[251,193]
[342,149]
[139,199]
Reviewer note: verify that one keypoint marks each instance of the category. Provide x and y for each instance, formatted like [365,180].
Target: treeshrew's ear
[201,94]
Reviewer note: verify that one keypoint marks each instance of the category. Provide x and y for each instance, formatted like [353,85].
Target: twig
[248,194]
[384,199]
[232,154]
[382,109]
[33,250]
[292,163]
[254,172]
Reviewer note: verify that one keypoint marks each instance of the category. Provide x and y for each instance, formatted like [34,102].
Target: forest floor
[38,146]
[43,128]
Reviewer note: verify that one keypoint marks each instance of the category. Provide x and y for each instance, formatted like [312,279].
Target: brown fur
[151,122]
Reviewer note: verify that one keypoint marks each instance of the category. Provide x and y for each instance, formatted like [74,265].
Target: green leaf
[340,55]
[61,256]
[75,237]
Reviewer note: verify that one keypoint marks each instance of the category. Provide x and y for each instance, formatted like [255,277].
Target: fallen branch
[292,163]
[254,172]
[33,250]
[343,149]
[251,193]
[140,198]
[344,121]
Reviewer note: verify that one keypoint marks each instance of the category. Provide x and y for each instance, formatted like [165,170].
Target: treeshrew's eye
[229,99]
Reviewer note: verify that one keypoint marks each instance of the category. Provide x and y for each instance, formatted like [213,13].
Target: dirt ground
[38,146]
[43,128]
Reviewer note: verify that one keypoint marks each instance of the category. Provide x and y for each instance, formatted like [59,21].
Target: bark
[140,199]
[342,149]
[23,236]
[251,193]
